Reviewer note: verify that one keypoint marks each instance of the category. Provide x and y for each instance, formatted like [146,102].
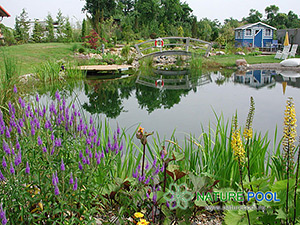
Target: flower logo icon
[178,196]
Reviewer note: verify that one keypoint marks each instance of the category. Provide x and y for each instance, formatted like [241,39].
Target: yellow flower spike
[289,133]
[138,215]
[236,142]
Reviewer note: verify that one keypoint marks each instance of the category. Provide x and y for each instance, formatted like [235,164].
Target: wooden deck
[105,68]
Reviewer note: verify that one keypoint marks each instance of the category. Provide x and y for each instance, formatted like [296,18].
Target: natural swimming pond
[164,101]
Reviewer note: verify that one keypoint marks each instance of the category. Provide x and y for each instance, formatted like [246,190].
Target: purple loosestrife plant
[27,170]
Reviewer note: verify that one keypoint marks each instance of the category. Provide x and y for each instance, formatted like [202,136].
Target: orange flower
[141,130]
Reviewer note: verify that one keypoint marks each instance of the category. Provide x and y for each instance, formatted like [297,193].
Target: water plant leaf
[232,217]
[178,156]
[174,172]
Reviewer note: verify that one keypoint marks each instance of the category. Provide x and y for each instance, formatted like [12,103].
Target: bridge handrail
[187,44]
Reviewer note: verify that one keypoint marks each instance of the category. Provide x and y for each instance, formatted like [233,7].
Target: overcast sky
[212,9]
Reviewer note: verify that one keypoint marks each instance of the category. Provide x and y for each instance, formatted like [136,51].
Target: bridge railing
[185,42]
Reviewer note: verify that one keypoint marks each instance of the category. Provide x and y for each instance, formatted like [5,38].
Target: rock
[26,77]
[220,53]
[241,62]
[240,53]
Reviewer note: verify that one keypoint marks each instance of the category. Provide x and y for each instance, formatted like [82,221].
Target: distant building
[254,35]
[3,13]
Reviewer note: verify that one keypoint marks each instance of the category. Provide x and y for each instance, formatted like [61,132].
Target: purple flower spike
[62,165]
[27,170]
[154,162]
[37,98]
[2,178]
[154,197]
[162,168]
[40,142]
[147,181]
[168,204]
[80,154]
[75,185]
[57,96]
[17,145]
[80,166]
[71,179]
[44,149]
[52,151]
[53,179]
[15,89]
[98,160]
[56,190]
[7,133]
[156,171]
[91,120]
[102,154]
[147,195]
[4,164]
[52,137]
[147,166]
[11,169]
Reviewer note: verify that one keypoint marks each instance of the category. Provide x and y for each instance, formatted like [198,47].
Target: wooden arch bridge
[173,46]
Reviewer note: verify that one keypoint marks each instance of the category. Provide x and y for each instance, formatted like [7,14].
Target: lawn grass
[30,56]
[229,60]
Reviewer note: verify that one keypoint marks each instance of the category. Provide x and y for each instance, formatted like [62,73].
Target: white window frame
[247,32]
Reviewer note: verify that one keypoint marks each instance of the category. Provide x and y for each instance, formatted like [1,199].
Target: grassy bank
[29,56]
[229,60]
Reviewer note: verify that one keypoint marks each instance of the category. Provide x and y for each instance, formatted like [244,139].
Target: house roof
[253,24]
[3,13]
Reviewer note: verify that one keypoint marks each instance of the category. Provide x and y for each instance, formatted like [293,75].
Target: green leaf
[200,203]
[178,156]
[281,214]
[232,217]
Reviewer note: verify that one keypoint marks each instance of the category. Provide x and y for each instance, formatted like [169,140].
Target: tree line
[128,20]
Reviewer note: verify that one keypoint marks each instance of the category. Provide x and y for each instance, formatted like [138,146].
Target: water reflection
[184,100]
[256,78]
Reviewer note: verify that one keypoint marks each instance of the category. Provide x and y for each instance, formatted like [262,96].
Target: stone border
[272,66]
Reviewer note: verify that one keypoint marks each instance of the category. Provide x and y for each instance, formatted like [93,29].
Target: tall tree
[254,16]
[68,32]
[50,28]
[22,27]
[38,32]
[271,12]
[99,9]
[293,20]
[60,20]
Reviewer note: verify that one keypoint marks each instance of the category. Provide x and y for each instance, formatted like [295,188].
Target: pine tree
[68,32]
[83,28]
[22,27]
[60,20]
[38,32]
[50,28]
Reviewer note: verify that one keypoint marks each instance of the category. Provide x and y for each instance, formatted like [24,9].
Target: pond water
[164,101]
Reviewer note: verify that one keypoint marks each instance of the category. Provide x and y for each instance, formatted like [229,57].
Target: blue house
[254,35]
